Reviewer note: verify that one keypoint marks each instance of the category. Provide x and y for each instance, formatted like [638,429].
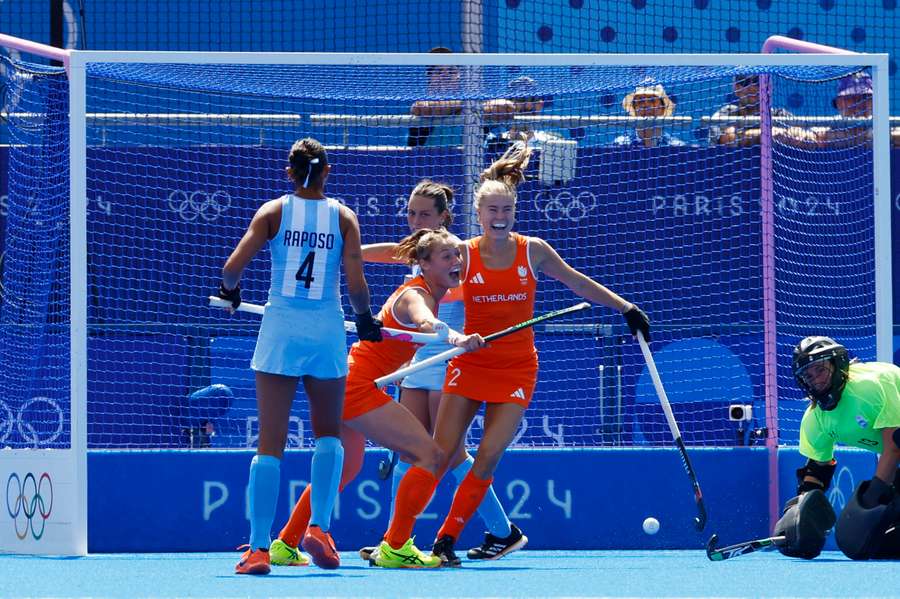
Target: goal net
[652,178]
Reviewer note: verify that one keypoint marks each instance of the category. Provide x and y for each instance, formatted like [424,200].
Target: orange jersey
[498,299]
[369,361]
[506,370]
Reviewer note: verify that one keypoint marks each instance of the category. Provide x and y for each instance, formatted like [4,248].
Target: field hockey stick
[700,520]
[453,352]
[350,327]
[718,555]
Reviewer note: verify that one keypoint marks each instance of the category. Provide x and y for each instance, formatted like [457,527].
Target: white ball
[651,526]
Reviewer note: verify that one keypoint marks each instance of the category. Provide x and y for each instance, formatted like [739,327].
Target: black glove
[367,327]
[638,321]
[231,295]
[877,493]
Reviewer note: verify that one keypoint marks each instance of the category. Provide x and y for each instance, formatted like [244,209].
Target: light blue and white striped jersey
[306,254]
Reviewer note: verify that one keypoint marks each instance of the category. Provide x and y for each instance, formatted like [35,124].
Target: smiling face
[422,213]
[497,213]
[442,266]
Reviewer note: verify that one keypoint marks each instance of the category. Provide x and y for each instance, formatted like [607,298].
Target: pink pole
[780,42]
[770,316]
[51,52]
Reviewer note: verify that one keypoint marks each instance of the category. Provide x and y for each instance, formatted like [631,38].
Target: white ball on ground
[651,526]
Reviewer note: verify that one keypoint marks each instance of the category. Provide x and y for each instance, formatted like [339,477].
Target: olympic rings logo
[843,480]
[199,204]
[29,499]
[566,205]
[27,431]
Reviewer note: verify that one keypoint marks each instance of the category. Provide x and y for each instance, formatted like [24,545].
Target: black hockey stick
[453,352]
[719,554]
[700,520]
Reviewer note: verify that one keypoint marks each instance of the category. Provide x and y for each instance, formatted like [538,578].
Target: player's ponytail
[308,160]
[440,193]
[505,173]
[420,245]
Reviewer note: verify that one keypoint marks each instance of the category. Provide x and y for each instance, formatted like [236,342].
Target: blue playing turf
[523,574]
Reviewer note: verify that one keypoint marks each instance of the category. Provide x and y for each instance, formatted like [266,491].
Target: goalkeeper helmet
[818,349]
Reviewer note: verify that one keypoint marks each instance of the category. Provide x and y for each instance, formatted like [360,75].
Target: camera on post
[740,412]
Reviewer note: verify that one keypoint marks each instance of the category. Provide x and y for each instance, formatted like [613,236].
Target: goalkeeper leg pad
[805,523]
[860,532]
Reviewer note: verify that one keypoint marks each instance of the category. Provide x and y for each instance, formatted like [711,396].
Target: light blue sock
[490,509]
[327,464]
[265,478]
[399,470]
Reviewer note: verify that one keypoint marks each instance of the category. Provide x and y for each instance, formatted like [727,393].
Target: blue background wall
[195,501]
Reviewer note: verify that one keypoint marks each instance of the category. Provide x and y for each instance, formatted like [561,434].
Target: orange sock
[413,494]
[465,502]
[354,451]
[295,528]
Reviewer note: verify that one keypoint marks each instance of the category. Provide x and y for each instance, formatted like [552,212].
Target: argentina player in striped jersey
[301,336]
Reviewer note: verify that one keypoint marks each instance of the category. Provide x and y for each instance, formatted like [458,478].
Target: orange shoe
[320,547]
[253,562]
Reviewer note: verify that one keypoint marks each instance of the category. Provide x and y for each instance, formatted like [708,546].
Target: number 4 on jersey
[305,272]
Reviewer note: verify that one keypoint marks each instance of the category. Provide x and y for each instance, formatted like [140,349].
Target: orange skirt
[361,395]
[482,378]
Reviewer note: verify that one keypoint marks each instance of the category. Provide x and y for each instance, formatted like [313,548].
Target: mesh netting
[514,26]
[659,199]
[34,316]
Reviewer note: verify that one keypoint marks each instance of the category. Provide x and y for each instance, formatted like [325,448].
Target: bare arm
[546,260]
[890,457]
[413,307]
[436,107]
[418,309]
[380,252]
[357,289]
[258,233]
[499,110]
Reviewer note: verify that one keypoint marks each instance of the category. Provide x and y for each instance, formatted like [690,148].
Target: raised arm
[380,252]
[545,259]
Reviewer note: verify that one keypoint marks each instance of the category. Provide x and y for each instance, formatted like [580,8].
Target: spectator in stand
[853,102]
[445,81]
[524,101]
[648,101]
[745,132]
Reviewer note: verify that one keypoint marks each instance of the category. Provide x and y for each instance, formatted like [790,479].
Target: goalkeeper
[853,403]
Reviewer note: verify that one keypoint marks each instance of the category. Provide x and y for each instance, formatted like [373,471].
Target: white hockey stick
[453,352]
[700,520]
[350,327]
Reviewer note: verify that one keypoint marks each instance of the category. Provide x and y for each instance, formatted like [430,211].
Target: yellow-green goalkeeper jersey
[870,402]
